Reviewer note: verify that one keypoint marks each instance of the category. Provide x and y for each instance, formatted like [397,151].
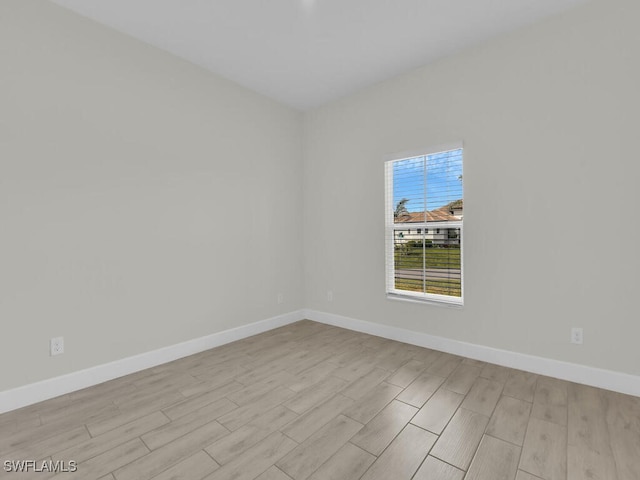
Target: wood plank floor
[311,401]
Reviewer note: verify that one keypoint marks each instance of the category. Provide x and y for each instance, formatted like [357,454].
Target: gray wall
[143,201]
[549,117]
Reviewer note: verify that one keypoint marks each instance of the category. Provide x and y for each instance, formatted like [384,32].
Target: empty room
[319,239]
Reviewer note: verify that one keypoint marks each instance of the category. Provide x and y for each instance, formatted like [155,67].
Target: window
[425,191]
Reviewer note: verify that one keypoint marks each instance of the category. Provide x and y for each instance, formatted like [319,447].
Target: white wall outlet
[576,336]
[280,298]
[56,346]
[329,295]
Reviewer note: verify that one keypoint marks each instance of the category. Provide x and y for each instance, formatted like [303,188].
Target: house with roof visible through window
[433,227]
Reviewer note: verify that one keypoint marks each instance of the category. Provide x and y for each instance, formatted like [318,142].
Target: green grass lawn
[407,257]
[435,257]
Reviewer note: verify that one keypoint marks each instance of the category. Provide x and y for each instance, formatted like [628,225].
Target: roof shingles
[442,214]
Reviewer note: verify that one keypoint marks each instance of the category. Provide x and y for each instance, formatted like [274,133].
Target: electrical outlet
[329,296]
[576,335]
[56,346]
[280,298]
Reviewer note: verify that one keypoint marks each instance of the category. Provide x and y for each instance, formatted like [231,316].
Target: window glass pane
[409,190]
[429,266]
[444,179]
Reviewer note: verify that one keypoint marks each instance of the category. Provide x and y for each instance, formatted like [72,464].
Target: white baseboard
[53,387]
[595,377]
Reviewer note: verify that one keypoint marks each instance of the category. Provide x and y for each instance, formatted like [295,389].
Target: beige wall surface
[143,201]
[548,116]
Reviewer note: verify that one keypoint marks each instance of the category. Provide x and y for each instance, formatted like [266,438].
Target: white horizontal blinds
[410,217]
[424,226]
[443,268]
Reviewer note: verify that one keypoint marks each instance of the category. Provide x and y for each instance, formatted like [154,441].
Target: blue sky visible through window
[442,173]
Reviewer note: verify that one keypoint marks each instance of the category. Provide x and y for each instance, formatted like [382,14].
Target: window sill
[425,301]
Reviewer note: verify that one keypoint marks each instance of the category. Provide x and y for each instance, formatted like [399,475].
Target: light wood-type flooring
[311,401]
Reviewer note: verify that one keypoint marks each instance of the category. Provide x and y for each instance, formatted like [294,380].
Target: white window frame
[390,228]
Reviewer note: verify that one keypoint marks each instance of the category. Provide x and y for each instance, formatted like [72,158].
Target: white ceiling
[307,52]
